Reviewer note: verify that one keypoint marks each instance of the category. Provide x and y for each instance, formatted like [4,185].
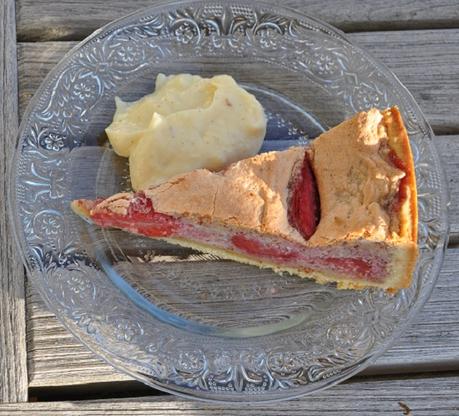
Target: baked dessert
[342,210]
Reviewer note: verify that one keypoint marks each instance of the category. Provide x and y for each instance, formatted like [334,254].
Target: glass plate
[182,321]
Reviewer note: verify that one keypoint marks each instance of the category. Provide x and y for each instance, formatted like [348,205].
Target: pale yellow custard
[187,123]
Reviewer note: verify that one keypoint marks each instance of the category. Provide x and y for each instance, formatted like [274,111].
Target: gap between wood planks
[41,20]
[415,397]
[13,360]
[136,389]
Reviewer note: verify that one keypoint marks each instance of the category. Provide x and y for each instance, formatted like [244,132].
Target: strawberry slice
[304,206]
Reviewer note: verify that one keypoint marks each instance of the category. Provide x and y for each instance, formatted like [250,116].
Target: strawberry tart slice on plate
[343,209]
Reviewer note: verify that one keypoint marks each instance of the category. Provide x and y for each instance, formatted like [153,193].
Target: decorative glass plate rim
[130,369]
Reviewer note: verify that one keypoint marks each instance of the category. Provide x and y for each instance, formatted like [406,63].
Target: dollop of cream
[187,123]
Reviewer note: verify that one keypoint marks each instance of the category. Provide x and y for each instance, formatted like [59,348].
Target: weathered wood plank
[13,371]
[431,344]
[427,62]
[419,396]
[448,149]
[69,20]
[54,356]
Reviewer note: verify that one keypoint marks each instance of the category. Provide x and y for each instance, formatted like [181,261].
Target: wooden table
[44,370]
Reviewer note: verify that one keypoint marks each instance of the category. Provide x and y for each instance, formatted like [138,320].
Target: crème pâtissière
[341,210]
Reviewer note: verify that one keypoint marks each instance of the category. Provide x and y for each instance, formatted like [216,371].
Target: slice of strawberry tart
[342,210]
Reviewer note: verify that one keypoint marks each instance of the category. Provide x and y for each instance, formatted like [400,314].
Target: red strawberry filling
[142,219]
[304,205]
[260,249]
[403,187]
[353,261]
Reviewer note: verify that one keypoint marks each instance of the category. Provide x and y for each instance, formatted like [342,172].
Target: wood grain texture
[73,20]
[448,149]
[13,371]
[419,396]
[431,344]
[55,358]
[427,63]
